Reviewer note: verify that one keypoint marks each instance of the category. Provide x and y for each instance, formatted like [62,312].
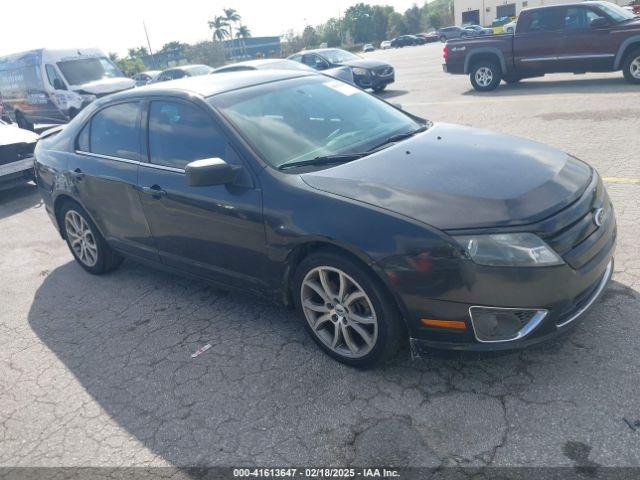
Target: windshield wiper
[347,157]
[324,160]
[399,137]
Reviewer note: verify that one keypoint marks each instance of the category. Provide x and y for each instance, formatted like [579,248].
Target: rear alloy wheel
[631,66]
[443,39]
[485,76]
[347,313]
[88,247]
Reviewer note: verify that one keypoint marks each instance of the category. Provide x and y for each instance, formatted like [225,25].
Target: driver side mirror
[209,172]
[58,85]
[599,23]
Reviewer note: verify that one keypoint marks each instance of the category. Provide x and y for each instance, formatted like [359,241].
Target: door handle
[154,191]
[78,174]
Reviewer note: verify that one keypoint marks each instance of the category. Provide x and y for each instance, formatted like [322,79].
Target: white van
[52,86]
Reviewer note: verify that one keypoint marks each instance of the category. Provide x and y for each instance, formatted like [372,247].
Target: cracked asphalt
[97,371]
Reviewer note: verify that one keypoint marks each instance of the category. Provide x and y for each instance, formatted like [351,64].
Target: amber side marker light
[453,324]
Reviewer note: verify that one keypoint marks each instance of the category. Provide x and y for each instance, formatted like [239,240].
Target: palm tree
[219,26]
[243,33]
[231,16]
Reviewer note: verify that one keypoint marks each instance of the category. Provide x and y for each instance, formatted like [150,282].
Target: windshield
[304,118]
[198,70]
[618,14]
[85,70]
[339,56]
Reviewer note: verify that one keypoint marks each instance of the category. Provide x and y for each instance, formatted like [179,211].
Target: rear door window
[180,133]
[115,131]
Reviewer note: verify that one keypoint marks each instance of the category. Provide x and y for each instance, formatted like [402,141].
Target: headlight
[360,71]
[509,250]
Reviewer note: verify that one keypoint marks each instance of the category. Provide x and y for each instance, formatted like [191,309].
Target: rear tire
[85,241]
[485,75]
[336,294]
[631,66]
[22,122]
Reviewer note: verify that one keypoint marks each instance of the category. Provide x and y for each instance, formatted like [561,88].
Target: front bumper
[554,324]
[438,293]
[373,81]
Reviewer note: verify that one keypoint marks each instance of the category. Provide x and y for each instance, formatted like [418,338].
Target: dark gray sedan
[380,227]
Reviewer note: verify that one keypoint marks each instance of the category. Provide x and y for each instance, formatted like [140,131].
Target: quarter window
[115,131]
[83,139]
[180,133]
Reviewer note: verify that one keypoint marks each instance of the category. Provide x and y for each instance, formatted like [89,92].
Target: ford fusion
[376,225]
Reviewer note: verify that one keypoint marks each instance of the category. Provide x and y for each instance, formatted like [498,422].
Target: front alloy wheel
[348,312]
[631,67]
[339,312]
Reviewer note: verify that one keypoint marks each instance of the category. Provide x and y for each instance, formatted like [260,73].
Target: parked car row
[367,73]
[16,155]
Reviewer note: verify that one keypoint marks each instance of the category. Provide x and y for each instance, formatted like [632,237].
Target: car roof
[208,85]
[564,5]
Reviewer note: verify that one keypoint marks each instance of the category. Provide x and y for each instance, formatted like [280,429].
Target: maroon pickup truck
[581,37]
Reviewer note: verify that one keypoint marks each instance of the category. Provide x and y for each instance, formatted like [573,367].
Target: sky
[116,25]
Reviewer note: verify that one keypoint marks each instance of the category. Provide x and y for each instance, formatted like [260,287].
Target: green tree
[396,25]
[171,46]
[138,52]
[219,27]
[309,37]
[330,32]
[412,19]
[242,34]
[206,53]
[232,17]
[358,20]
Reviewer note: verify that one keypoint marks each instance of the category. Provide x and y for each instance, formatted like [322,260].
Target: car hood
[453,177]
[105,85]
[10,134]
[366,63]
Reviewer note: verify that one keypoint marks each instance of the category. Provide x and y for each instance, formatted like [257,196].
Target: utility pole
[153,59]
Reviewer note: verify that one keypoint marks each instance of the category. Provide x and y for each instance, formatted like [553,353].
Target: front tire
[379,88]
[347,312]
[631,66]
[485,76]
[86,243]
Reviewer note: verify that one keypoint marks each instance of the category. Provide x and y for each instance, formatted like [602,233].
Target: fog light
[494,324]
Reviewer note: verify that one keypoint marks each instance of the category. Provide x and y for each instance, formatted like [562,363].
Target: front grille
[581,239]
[15,151]
[384,71]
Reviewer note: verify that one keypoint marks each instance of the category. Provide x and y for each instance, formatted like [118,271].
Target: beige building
[483,12]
